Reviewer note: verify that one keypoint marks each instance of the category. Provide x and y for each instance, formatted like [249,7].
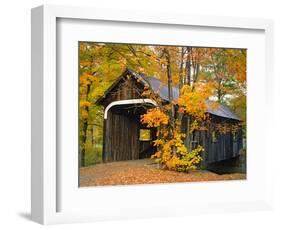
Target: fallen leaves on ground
[144,172]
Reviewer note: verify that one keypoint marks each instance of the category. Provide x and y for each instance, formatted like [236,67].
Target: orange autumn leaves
[172,152]
[193,100]
[143,172]
[237,64]
[182,160]
[155,118]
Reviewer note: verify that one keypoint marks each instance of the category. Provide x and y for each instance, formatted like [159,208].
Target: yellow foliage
[84,109]
[154,118]
[158,142]
[193,101]
[84,114]
[185,162]
[182,160]
[84,104]
[227,128]
[194,126]
[87,79]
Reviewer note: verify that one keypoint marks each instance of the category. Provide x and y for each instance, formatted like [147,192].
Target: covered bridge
[126,138]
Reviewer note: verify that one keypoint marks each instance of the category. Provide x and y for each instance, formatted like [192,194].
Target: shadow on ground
[25,215]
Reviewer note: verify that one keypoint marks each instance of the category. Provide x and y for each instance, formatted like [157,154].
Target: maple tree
[172,152]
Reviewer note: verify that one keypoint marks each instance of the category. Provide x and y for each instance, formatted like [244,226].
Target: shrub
[182,160]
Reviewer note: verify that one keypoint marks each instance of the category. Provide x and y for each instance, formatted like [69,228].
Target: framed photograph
[141,114]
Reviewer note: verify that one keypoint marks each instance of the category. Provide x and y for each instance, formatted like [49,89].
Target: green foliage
[189,161]
[93,154]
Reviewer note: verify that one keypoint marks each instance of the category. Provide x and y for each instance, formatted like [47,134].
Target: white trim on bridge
[128,102]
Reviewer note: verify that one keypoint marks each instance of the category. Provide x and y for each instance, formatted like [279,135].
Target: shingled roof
[159,87]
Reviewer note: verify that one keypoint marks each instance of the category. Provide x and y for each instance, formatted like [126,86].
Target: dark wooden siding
[120,138]
[222,149]
[128,88]
[225,147]
[121,129]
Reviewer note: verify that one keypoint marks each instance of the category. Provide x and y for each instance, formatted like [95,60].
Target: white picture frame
[47,175]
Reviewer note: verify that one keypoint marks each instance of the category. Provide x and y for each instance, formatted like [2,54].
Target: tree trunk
[170,94]
[187,138]
[181,80]
[181,76]
[83,150]
[188,82]
[219,91]
[188,65]
[84,131]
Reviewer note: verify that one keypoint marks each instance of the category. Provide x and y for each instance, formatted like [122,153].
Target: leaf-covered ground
[143,172]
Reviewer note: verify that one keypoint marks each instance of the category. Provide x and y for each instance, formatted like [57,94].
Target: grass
[93,155]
